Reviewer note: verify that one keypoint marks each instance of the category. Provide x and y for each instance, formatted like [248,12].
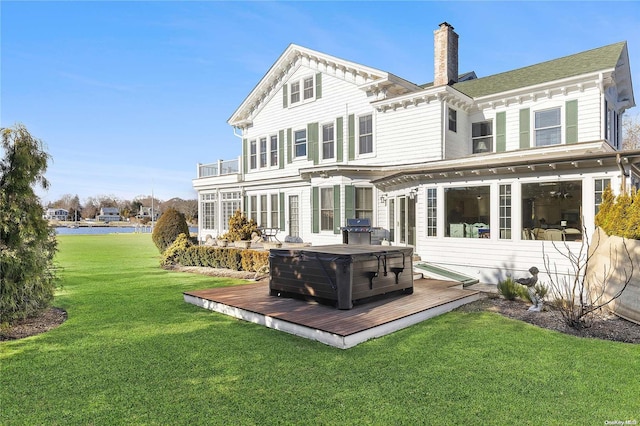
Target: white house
[479,175]
[56,214]
[108,214]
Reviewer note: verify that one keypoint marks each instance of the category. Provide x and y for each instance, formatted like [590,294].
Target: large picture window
[365,134]
[326,209]
[468,211]
[552,210]
[548,128]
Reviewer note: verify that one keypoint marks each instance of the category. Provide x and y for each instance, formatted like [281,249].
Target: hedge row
[620,215]
[183,252]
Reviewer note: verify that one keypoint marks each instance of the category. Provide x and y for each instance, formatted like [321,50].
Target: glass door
[402,220]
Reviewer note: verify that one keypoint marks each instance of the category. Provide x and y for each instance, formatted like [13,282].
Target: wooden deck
[339,328]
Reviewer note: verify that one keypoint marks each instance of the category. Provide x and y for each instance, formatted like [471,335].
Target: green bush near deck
[133,352]
[169,226]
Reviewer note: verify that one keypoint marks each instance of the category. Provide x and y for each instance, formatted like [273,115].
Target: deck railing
[219,168]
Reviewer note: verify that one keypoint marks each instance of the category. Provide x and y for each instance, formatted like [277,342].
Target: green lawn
[132,352]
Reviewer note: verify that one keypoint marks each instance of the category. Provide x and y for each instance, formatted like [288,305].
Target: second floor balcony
[219,168]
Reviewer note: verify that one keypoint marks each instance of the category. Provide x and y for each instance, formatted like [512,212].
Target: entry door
[294,216]
[405,221]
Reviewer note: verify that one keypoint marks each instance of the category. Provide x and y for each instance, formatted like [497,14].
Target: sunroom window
[552,211]
[468,211]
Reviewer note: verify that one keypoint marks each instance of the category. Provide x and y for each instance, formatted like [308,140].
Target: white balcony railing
[220,168]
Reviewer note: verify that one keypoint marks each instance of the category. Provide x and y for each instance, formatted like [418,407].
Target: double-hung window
[327,141]
[263,152]
[263,210]
[295,92]
[548,128]
[308,88]
[365,134]
[364,203]
[253,160]
[300,143]
[274,211]
[253,207]
[482,137]
[274,150]
[453,120]
[326,209]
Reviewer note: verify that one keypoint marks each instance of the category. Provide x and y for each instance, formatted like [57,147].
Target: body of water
[99,230]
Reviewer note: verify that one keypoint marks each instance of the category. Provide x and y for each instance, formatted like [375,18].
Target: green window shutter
[571,119]
[339,139]
[312,142]
[525,137]
[282,211]
[285,96]
[318,85]
[336,209]
[349,202]
[289,142]
[501,131]
[352,137]
[315,210]
[245,155]
[281,149]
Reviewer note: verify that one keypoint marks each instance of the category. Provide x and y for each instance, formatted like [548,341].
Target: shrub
[241,228]
[620,215]
[540,288]
[253,260]
[171,224]
[509,289]
[171,255]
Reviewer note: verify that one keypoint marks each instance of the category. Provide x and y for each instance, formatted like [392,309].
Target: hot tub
[340,273]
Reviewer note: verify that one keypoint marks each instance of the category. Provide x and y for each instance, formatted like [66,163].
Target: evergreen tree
[27,243]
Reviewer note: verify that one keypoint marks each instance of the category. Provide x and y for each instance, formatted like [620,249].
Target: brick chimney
[445,55]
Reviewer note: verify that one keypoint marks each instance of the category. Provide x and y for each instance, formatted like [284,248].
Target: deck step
[439,272]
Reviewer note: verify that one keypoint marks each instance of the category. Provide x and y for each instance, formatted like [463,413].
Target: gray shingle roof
[602,58]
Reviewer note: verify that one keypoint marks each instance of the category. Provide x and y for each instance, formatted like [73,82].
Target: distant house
[148,212]
[108,214]
[56,214]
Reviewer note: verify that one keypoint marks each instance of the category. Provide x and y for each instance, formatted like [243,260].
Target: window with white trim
[263,210]
[365,134]
[548,128]
[453,120]
[364,203]
[300,143]
[308,88]
[253,207]
[432,212]
[275,218]
[230,203]
[295,92]
[208,203]
[327,141]
[505,212]
[253,155]
[274,150]
[599,188]
[263,152]
[326,209]
[482,136]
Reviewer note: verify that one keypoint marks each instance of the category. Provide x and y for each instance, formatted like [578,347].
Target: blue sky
[129,96]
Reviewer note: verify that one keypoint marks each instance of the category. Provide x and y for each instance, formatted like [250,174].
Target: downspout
[623,174]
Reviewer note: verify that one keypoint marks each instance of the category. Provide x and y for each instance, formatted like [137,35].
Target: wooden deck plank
[428,294]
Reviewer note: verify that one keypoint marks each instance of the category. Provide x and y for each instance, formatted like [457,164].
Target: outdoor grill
[357,231]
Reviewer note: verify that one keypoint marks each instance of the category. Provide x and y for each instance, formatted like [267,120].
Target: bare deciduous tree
[580,295]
